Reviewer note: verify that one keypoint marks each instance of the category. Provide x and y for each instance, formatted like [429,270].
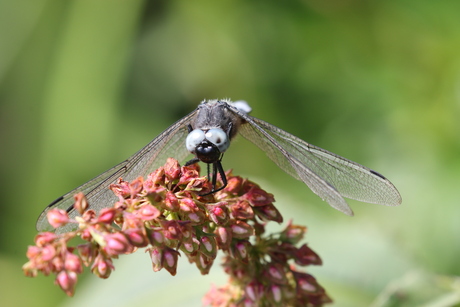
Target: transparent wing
[170,143]
[328,175]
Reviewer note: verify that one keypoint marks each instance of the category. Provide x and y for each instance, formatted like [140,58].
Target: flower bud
[224,237]
[155,179]
[135,186]
[48,253]
[116,244]
[172,170]
[148,212]
[307,284]
[203,263]
[29,269]
[33,251]
[57,264]
[276,273]
[57,217]
[81,203]
[137,237]
[218,213]
[234,185]
[45,238]
[275,293]
[102,267]
[241,210]
[293,233]
[121,189]
[306,256]
[155,237]
[240,250]
[172,230]
[258,197]
[171,203]
[254,290]
[208,246]
[107,215]
[72,263]
[196,184]
[241,230]
[86,253]
[190,245]
[268,213]
[89,215]
[156,255]
[188,205]
[169,260]
[67,281]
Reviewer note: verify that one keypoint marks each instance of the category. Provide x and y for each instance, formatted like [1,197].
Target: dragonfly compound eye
[219,138]
[194,138]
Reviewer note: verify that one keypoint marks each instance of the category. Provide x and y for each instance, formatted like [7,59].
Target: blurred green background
[84,84]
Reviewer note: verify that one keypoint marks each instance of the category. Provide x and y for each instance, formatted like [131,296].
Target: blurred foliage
[84,84]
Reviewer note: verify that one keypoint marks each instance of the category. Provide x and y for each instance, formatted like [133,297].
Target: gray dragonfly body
[206,133]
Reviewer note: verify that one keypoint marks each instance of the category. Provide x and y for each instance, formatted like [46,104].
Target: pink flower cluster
[264,273]
[167,214]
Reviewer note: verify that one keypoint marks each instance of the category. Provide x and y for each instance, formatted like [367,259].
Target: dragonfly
[206,133]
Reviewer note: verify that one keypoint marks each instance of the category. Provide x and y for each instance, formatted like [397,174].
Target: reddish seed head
[166,214]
